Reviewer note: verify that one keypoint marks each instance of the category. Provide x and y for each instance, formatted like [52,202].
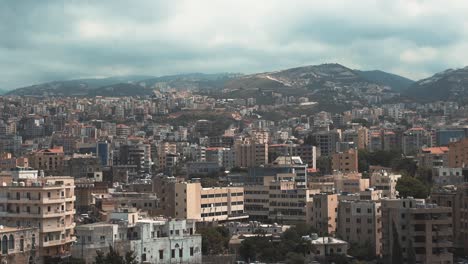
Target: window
[181,252]
[5,245]
[11,242]
[143,257]
[161,254]
[48,195]
[22,243]
[191,251]
[173,253]
[33,241]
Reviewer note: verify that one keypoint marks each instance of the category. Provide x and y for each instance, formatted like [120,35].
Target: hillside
[78,87]
[396,82]
[447,85]
[124,85]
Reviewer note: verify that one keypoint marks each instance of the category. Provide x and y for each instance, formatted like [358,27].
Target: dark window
[173,253]
[161,254]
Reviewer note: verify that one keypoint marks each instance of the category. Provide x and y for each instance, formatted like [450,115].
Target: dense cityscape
[191,175]
[233,132]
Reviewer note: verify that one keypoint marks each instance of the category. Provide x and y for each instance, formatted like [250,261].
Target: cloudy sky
[56,40]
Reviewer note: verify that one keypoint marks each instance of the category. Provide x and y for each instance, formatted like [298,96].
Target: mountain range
[312,80]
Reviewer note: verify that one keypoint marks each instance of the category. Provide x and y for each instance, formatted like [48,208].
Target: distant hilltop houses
[319,163]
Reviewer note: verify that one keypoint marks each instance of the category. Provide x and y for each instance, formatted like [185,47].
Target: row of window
[173,253]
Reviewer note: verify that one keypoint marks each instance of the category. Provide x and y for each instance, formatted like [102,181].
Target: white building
[151,240]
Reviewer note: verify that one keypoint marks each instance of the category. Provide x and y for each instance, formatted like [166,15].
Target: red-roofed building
[48,160]
[433,157]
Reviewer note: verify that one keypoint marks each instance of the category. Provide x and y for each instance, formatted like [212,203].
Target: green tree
[295,258]
[113,257]
[410,186]
[215,240]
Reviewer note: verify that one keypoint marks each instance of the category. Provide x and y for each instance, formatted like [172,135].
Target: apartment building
[447,176]
[385,181]
[458,154]
[416,232]
[273,194]
[307,153]
[326,141]
[110,202]
[433,157]
[188,200]
[349,182]
[50,161]
[43,202]
[7,161]
[152,240]
[462,194]
[360,222]
[345,161]
[414,139]
[322,213]
[250,154]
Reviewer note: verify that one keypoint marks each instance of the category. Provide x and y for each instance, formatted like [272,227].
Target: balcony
[59,242]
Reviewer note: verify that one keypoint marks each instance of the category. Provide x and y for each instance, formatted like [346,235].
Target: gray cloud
[51,39]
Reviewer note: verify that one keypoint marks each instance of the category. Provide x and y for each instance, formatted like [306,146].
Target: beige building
[322,213]
[386,182]
[250,154]
[360,222]
[456,198]
[458,154]
[278,199]
[350,183]
[329,246]
[48,160]
[188,200]
[416,232]
[345,161]
[7,161]
[43,202]
[19,245]
[433,157]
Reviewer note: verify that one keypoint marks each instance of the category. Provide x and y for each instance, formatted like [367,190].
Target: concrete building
[81,165]
[458,154]
[239,228]
[123,130]
[349,182]
[414,139]
[322,213]
[307,153]
[447,176]
[276,198]
[152,240]
[50,161]
[326,141]
[385,181]
[433,157]
[106,204]
[188,200]
[360,222]
[345,161]
[416,232]
[43,202]
[251,154]
[19,245]
[328,246]
[293,165]
[7,161]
